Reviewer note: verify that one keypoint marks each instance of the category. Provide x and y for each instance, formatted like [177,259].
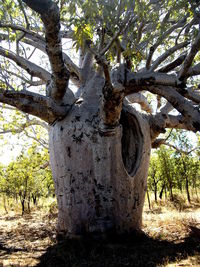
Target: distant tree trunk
[155,191]
[187,189]
[23,195]
[4,203]
[169,178]
[23,206]
[99,174]
[165,193]
[28,204]
[148,198]
[196,193]
[171,195]
[34,198]
[186,179]
[161,191]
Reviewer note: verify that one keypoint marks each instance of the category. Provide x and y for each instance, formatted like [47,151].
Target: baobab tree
[131,52]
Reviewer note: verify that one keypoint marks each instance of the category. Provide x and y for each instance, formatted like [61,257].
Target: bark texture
[99,172]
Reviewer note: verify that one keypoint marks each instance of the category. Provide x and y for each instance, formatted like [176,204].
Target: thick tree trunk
[99,173]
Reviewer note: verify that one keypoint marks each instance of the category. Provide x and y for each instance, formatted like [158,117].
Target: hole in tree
[132,142]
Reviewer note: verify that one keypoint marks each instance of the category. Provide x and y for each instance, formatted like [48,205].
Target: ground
[169,238]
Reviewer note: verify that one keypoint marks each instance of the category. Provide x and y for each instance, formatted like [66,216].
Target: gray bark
[99,172]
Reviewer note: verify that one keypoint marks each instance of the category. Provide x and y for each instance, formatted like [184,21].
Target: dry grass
[170,238]
[24,239]
[166,222]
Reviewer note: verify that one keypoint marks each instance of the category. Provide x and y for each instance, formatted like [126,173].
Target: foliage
[174,171]
[28,177]
[90,18]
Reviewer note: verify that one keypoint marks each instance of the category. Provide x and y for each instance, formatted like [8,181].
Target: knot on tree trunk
[112,105]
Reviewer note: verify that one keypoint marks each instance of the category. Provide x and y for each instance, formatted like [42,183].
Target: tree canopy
[147,52]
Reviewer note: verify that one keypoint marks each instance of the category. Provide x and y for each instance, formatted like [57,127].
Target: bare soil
[169,238]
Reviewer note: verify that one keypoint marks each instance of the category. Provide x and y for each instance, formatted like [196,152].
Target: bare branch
[134,81]
[188,61]
[158,142]
[191,94]
[31,68]
[139,34]
[42,143]
[160,121]
[25,125]
[75,72]
[140,99]
[193,71]
[161,39]
[112,104]
[35,104]
[28,32]
[26,80]
[166,108]
[50,16]
[190,113]
[168,53]
[172,65]
[24,13]
[37,41]
[69,34]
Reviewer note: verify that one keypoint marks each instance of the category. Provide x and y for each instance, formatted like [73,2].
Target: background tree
[154,176]
[175,167]
[27,178]
[99,141]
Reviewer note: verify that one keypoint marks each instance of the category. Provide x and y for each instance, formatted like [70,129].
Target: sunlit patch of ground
[24,239]
[173,225]
[170,224]
[170,241]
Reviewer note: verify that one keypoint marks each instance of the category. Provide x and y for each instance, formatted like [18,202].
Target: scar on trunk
[132,142]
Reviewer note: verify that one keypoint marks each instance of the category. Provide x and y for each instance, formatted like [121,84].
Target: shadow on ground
[135,250]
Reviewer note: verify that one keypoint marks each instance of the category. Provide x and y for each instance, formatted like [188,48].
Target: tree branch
[31,68]
[158,142]
[168,53]
[35,104]
[37,41]
[50,16]
[188,60]
[141,100]
[75,72]
[172,65]
[25,125]
[193,71]
[26,80]
[123,26]
[166,108]
[42,143]
[28,32]
[161,39]
[190,113]
[134,81]
[160,121]
[191,94]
